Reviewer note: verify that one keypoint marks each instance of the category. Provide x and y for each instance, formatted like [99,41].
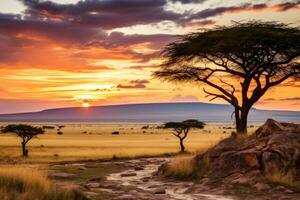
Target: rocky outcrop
[275,147]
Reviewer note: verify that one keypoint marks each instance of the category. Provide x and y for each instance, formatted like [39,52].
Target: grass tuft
[23,183]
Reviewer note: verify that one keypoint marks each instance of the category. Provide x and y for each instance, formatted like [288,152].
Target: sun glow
[86,105]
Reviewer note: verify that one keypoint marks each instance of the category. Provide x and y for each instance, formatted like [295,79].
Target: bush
[115,133]
[21,183]
[185,167]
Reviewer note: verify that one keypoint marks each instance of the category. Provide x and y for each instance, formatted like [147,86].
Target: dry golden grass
[23,183]
[282,179]
[181,167]
[95,141]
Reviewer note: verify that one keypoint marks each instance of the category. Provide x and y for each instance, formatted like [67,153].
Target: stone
[271,126]
[128,174]
[137,168]
[276,148]
[92,185]
[241,181]
[62,175]
[261,186]
[96,179]
[159,191]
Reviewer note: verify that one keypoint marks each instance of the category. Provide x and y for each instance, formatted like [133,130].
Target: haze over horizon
[70,53]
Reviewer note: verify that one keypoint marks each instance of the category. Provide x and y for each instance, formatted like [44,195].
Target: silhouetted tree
[182,129]
[25,132]
[238,62]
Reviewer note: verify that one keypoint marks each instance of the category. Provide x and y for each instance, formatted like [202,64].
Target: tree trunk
[24,150]
[241,122]
[181,145]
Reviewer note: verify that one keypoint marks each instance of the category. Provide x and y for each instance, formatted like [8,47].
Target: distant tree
[182,129]
[25,132]
[240,63]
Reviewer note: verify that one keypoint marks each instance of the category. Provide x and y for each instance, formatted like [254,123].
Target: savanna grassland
[47,173]
[95,141]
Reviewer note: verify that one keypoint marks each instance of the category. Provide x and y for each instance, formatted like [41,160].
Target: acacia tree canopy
[182,128]
[239,63]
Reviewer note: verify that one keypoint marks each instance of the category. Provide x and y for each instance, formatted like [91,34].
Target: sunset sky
[64,53]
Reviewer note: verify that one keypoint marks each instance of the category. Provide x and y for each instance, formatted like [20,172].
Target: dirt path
[139,182]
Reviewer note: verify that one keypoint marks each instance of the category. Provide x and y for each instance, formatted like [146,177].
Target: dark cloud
[107,14]
[116,39]
[140,81]
[212,12]
[134,84]
[189,1]
[284,99]
[64,32]
[287,6]
[201,23]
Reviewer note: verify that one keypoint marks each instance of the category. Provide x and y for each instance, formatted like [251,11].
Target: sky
[66,53]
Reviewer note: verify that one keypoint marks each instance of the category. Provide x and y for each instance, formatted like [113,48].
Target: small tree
[239,63]
[182,129]
[25,132]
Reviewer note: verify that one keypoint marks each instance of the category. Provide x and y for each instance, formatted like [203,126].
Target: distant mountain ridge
[151,112]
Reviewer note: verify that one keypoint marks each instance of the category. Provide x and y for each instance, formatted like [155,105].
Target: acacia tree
[182,129]
[25,132]
[239,63]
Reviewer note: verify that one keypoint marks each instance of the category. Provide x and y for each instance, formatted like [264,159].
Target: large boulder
[275,147]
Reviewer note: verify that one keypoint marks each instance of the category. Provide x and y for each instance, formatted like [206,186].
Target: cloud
[142,81]
[200,23]
[212,12]
[107,14]
[183,98]
[134,84]
[283,99]
[116,39]
[189,1]
[287,6]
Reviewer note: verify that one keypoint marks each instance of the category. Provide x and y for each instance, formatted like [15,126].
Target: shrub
[185,167]
[115,133]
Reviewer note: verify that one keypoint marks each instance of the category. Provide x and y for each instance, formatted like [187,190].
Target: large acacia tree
[25,132]
[237,63]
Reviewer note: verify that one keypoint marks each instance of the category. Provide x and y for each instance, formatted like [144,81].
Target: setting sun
[86,105]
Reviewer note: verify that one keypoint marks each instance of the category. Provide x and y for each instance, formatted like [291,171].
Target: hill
[152,112]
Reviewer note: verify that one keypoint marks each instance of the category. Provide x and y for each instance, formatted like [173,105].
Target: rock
[153,186]
[137,168]
[91,165]
[270,127]
[92,185]
[128,174]
[81,168]
[62,175]
[241,181]
[288,191]
[261,186]
[96,179]
[280,188]
[146,179]
[276,148]
[126,197]
[159,191]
